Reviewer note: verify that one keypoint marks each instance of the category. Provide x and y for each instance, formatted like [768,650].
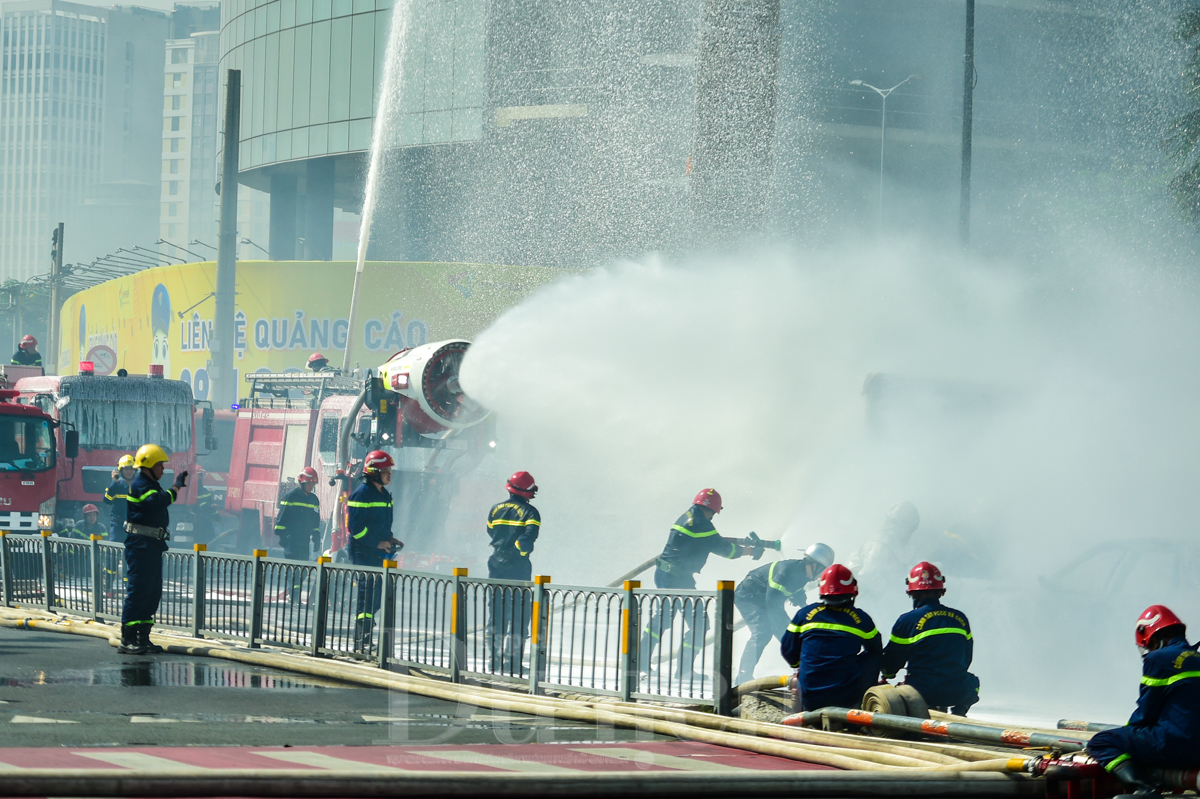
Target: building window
[128,49]
[174,166]
[176,102]
[172,209]
[174,145]
[173,188]
[179,56]
[175,122]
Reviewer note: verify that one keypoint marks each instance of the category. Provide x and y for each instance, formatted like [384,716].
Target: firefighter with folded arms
[691,540]
[934,643]
[117,495]
[513,526]
[761,596]
[833,645]
[371,541]
[1164,729]
[147,521]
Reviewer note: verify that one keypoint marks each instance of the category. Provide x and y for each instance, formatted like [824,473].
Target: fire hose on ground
[831,749]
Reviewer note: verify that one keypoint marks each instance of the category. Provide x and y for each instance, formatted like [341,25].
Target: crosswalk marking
[39,720]
[160,720]
[328,762]
[137,760]
[645,758]
[476,758]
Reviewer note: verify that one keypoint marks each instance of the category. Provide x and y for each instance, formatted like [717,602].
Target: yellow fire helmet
[126,462]
[149,455]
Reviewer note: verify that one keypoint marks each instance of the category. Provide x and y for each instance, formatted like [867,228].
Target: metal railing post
[458,625]
[630,638]
[47,572]
[320,607]
[257,578]
[97,581]
[6,568]
[199,589]
[387,622]
[539,621]
[723,687]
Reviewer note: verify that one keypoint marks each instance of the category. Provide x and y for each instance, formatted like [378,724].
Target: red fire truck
[414,409]
[112,416]
[31,459]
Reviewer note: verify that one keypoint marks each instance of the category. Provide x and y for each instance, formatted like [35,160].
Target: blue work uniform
[837,650]
[691,540]
[513,526]
[760,599]
[117,495]
[370,511]
[298,523]
[934,642]
[148,505]
[1164,729]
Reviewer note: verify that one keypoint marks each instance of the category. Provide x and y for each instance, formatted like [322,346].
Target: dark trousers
[294,549]
[662,620]
[1150,747]
[764,627]
[510,611]
[956,695]
[369,592]
[143,571]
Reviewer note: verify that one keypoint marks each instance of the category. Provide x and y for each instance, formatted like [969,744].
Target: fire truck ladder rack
[272,386]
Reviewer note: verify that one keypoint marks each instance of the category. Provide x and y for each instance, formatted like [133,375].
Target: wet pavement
[76,691]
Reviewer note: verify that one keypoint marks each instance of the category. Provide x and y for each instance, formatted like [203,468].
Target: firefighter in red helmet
[27,352]
[1164,729]
[319,363]
[691,540]
[513,526]
[369,510]
[91,523]
[833,645]
[934,643]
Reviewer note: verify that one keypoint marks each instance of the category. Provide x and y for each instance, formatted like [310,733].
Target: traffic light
[54,247]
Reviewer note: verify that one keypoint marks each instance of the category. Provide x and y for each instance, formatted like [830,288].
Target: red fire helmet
[926,577]
[28,342]
[376,461]
[316,356]
[1154,619]
[837,581]
[522,484]
[307,475]
[709,498]
[90,508]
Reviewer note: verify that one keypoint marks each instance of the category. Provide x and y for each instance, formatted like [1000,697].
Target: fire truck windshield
[104,424]
[25,444]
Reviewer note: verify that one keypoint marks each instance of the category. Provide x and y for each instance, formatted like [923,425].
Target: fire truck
[31,458]
[414,409]
[112,416]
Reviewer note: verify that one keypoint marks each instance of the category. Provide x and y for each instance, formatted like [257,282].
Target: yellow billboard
[284,310]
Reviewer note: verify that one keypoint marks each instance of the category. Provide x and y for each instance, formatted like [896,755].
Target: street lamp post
[882,130]
[246,240]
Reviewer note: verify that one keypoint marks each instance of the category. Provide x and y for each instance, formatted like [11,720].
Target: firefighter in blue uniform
[934,643]
[761,596]
[691,540]
[147,522]
[27,352]
[205,513]
[513,526]
[833,645]
[299,523]
[1164,729]
[117,495]
[371,541]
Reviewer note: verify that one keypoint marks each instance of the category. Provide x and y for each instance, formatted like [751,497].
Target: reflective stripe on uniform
[508,523]
[771,579]
[837,628]
[1117,762]
[314,505]
[352,504]
[1159,682]
[151,493]
[688,532]
[941,631]
[360,535]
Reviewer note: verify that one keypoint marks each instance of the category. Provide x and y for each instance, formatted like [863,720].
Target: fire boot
[130,643]
[1129,776]
[364,630]
[143,639]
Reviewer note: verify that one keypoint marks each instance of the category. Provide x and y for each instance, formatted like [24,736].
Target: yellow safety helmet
[126,462]
[149,455]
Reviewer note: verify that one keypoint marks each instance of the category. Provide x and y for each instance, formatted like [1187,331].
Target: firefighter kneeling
[833,644]
[1164,729]
[371,541]
[934,643]
[148,520]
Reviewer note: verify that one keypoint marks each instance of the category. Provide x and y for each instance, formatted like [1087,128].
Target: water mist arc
[385,110]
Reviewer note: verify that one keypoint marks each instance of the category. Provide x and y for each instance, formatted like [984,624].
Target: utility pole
[56,258]
[224,388]
[964,201]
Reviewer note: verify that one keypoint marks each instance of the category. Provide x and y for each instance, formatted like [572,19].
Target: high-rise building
[79,114]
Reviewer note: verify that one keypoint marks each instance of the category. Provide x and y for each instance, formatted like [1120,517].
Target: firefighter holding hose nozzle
[761,596]
[691,540]
[1164,729]
[833,645]
[371,541]
[934,643]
